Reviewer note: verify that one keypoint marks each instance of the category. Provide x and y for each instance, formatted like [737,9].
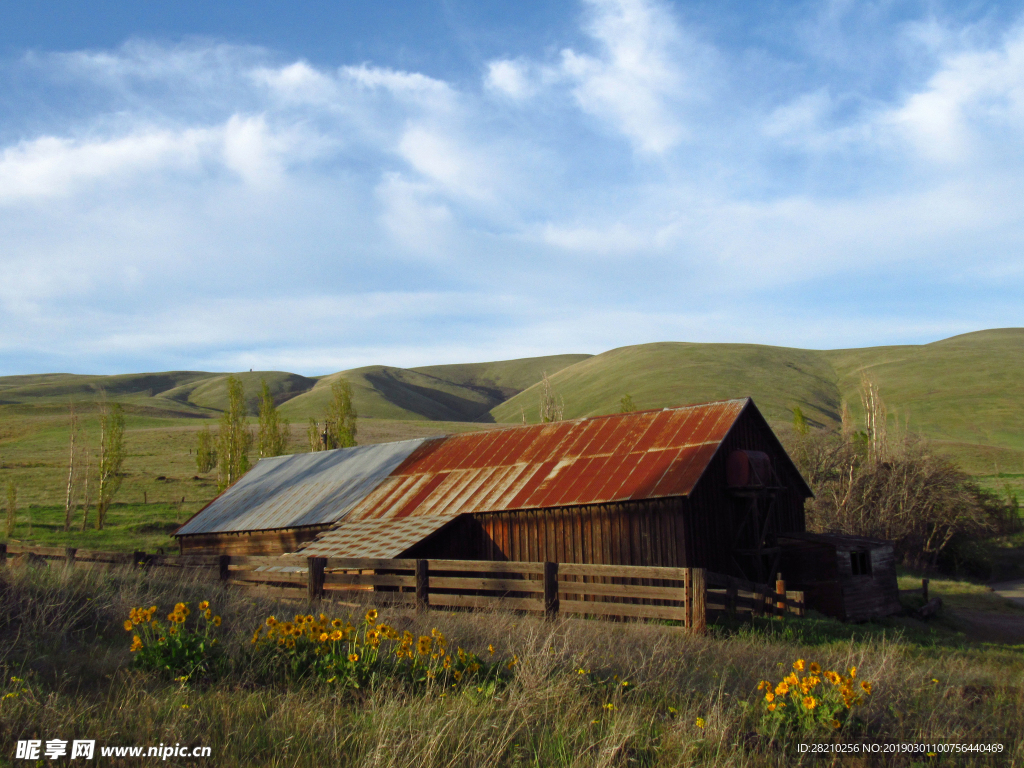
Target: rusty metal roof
[374,538]
[302,489]
[623,457]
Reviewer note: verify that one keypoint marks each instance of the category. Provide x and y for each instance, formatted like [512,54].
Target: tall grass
[61,637]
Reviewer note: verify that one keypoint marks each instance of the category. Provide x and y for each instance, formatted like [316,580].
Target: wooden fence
[691,596]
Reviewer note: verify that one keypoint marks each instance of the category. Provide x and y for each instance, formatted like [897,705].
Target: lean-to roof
[300,490]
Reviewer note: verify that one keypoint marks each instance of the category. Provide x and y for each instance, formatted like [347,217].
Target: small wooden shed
[848,577]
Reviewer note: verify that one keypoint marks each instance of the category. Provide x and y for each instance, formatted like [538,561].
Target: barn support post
[224,562]
[3,554]
[698,599]
[422,585]
[315,580]
[550,590]
[730,595]
[69,556]
[780,590]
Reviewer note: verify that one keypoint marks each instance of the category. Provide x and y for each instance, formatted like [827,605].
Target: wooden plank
[485,566]
[675,594]
[494,585]
[698,611]
[623,571]
[625,610]
[255,583]
[370,564]
[255,561]
[263,590]
[370,579]
[483,601]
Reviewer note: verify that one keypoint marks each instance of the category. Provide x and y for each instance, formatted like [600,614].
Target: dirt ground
[988,626]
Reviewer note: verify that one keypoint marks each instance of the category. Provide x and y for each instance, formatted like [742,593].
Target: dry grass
[61,633]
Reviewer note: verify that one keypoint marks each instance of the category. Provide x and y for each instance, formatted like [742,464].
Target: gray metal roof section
[302,489]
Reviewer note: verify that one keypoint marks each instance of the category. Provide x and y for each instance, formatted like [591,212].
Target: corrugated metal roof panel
[374,538]
[302,489]
[630,456]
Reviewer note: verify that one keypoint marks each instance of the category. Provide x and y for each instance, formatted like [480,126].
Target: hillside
[966,392]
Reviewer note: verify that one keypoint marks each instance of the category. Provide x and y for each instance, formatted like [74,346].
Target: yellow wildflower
[136,644]
[204,605]
[172,631]
[353,657]
[324,637]
[490,649]
[207,614]
[798,665]
[457,675]
[128,626]
[371,616]
[769,697]
[772,707]
[337,623]
[699,722]
[853,672]
[810,702]
[833,677]
[792,679]
[866,686]
[216,621]
[815,668]
[836,724]
[335,635]
[782,689]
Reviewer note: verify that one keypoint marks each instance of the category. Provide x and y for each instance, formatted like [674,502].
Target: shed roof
[300,490]
[622,457]
[374,538]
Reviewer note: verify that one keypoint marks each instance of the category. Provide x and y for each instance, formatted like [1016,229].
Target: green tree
[234,440]
[111,458]
[626,404]
[273,433]
[341,416]
[206,451]
[315,436]
[799,421]
[12,506]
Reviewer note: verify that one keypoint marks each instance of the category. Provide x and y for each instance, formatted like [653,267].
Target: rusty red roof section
[629,456]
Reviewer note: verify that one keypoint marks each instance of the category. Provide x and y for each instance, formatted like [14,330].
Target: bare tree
[12,507]
[72,455]
[87,500]
[551,405]
[111,458]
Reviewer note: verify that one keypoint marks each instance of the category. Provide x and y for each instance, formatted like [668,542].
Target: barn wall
[249,543]
[634,533]
[715,510]
[867,597]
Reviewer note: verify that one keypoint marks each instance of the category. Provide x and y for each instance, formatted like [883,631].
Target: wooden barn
[848,577]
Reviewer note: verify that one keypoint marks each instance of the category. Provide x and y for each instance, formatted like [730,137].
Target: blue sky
[317,186]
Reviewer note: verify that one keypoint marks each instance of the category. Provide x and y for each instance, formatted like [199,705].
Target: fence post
[758,599]
[315,580]
[3,554]
[698,597]
[422,585]
[69,556]
[924,589]
[138,558]
[796,605]
[224,561]
[780,590]
[550,590]
[730,595]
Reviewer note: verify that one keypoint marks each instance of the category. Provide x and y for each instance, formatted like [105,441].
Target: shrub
[180,649]
[819,700]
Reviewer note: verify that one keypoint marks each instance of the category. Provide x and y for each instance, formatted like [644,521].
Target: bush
[180,649]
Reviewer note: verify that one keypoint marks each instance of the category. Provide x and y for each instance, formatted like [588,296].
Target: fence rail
[692,596]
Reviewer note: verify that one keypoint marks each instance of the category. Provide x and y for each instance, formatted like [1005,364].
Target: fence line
[691,596]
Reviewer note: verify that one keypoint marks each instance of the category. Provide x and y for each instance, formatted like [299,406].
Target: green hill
[966,392]
[436,393]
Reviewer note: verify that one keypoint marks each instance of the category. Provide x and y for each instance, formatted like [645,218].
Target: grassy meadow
[580,693]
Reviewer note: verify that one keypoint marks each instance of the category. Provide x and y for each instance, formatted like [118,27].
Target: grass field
[964,394]
[582,693]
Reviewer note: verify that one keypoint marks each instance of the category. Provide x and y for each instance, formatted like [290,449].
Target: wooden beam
[422,585]
[550,589]
[315,577]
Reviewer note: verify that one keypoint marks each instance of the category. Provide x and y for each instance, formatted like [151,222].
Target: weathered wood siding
[249,542]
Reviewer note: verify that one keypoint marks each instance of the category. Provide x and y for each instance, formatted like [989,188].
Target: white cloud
[509,78]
